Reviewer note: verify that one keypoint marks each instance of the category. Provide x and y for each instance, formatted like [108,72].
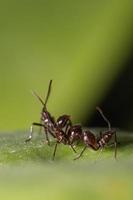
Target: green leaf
[28,172]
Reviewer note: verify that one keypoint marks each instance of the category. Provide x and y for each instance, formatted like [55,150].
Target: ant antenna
[48,93]
[103,116]
[39,98]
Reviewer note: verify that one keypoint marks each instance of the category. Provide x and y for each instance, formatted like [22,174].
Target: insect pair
[63,131]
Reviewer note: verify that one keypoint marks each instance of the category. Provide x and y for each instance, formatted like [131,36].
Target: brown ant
[58,129]
[96,143]
[64,132]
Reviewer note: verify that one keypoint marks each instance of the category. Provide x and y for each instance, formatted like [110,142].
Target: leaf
[27,170]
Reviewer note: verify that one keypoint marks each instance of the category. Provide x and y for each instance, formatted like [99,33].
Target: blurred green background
[81,45]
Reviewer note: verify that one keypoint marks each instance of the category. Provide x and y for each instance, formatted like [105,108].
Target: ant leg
[73,148]
[31,131]
[55,148]
[47,138]
[115,143]
[80,153]
[40,129]
[53,134]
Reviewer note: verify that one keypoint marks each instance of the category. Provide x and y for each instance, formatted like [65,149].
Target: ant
[57,129]
[64,132]
[96,143]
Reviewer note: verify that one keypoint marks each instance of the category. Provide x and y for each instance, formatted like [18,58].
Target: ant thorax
[47,120]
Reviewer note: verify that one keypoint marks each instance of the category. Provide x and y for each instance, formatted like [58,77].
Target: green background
[81,45]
